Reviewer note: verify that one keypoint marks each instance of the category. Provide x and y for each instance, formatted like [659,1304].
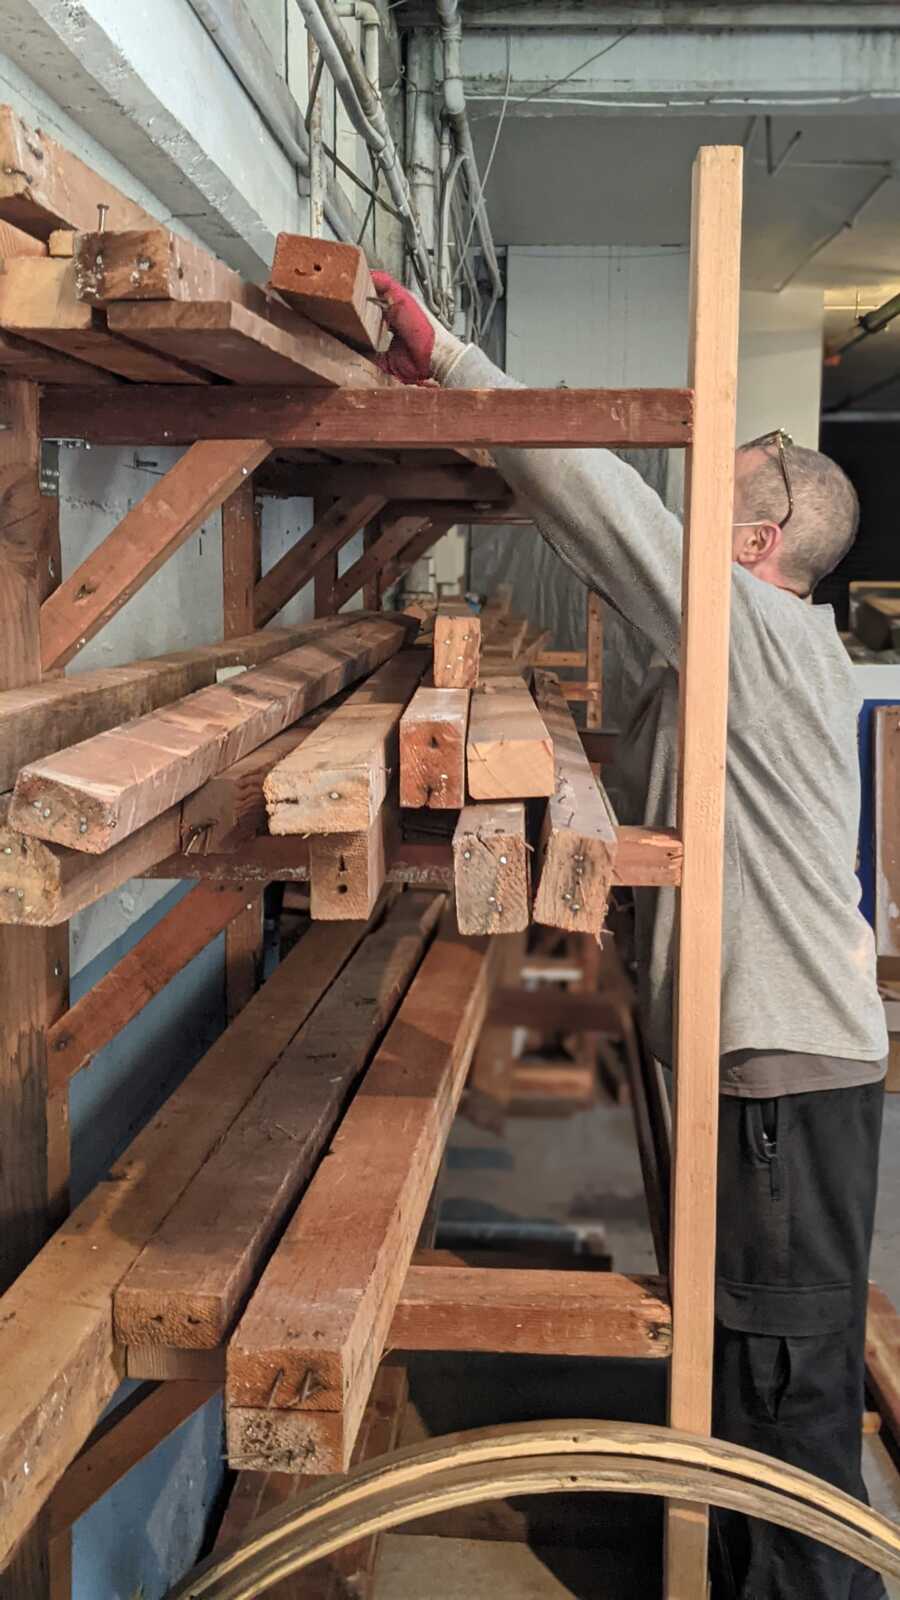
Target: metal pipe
[455,105]
[367,15]
[870,322]
[422,141]
[235,35]
[364,107]
[316,163]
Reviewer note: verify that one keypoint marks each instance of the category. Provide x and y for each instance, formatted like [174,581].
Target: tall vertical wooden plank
[241,567]
[33,961]
[593,710]
[706,598]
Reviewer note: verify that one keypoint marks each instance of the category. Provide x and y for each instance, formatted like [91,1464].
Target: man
[803,1036]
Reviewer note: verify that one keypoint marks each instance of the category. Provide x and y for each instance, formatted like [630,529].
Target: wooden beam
[331,284]
[38,302]
[129,1435]
[703,678]
[406,482]
[106,788]
[304,1356]
[20,358]
[43,717]
[398,418]
[594,659]
[504,637]
[191,1280]
[42,885]
[509,751]
[155,264]
[490,869]
[337,780]
[43,186]
[886,743]
[14,242]
[56,1337]
[433,749]
[229,809]
[578,843]
[396,532]
[418,546]
[298,565]
[21,524]
[241,566]
[517,1311]
[457,646]
[121,995]
[142,542]
[347,871]
[239,344]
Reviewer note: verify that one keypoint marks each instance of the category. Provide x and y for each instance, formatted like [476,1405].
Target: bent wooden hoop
[541,1458]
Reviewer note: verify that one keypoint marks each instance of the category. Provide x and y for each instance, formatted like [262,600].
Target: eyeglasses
[779,437]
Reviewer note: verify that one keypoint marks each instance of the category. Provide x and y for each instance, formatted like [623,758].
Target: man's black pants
[797,1183]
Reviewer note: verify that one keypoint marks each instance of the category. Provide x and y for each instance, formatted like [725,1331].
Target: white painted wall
[605,315]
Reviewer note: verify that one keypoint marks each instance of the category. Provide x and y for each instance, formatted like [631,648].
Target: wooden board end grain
[579,840]
[44,187]
[509,751]
[457,646]
[331,284]
[490,869]
[433,749]
[304,1356]
[347,871]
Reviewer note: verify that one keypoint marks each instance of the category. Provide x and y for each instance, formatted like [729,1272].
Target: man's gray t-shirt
[798,979]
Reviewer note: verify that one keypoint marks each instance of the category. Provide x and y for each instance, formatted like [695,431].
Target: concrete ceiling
[563,179]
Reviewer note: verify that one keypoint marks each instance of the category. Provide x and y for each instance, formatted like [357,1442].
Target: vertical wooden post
[33,961]
[372,588]
[241,569]
[706,598]
[593,710]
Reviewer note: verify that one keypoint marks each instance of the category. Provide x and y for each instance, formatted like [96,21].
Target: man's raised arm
[595,510]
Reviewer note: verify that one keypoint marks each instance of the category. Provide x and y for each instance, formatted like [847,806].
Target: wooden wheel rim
[545,1458]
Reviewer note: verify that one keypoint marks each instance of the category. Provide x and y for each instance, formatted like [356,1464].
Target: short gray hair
[825,519]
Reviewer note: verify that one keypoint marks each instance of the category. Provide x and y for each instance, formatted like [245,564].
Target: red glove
[409,354]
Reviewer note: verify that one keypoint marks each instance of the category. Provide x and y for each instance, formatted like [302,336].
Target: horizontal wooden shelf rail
[389,419]
[42,885]
[447,1304]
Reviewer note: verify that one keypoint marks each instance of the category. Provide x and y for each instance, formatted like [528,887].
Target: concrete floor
[582,1171]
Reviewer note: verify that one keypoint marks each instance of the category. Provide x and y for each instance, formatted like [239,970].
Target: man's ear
[759,542]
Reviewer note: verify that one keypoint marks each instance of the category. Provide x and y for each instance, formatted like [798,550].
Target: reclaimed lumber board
[155,264]
[490,869]
[104,789]
[349,1571]
[44,187]
[705,600]
[241,536]
[578,840]
[488,1085]
[238,343]
[338,779]
[509,751]
[347,871]
[418,546]
[554,1010]
[504,636]
[57,1350]
[191,1280]
[457,646]
[398,418]
[325,538]
[331,284]
[38,302]
[14,242]
[322,1312]
[20,358]
[593,639]
[21,527]
[142,542]
[518,1311]
[229,809]
[433,749]
[123,992]
[43,717]
[128,1436]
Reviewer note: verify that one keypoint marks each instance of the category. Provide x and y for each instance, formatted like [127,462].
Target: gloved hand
[421,347]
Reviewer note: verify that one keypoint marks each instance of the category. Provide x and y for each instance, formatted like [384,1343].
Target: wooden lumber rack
[200,1262]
